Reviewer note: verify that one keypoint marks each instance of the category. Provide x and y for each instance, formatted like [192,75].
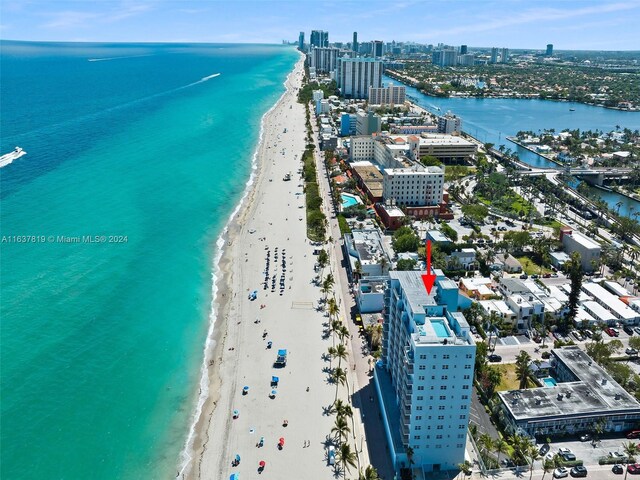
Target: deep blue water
[102,343]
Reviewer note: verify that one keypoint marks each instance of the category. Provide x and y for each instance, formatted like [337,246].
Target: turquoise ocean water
[101,343]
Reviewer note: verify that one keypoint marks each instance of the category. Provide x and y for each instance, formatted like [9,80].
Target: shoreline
[211,379]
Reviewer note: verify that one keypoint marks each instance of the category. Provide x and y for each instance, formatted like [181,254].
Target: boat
[7,158]
[572,109]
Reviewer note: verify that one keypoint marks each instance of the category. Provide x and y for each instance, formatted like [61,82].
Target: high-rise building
[463,49]
[425,378]
[301,41]
[494,55]
[377,48]
[356,75]
[324,60]
[504,57]
[449,123]
[367,123]
[468,60]
[319,38]
[549,50]
[389,95]
[444,57]
[354,44]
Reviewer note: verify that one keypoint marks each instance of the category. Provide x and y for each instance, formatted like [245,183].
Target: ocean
[136,156]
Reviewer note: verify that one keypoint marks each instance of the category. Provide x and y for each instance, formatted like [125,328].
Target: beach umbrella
[262,464]
[237,458]
[281,441]
[236,413]
[245,389]
[273,393]
[234,476]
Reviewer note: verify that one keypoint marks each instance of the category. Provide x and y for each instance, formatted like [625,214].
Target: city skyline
[570,25]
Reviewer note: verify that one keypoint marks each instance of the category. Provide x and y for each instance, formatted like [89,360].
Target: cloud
[534,15]
[70,18]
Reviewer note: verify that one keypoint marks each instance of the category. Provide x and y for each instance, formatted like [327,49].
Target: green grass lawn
[530,267]
[509,380]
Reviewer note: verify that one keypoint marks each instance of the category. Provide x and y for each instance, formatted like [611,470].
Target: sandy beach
[270,224]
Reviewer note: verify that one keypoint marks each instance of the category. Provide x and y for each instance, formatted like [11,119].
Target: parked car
[560,473]
[579,471]
[637,330]
[577,335]
[563,450]
[524,276]
[632,352]
[617,468]
[568,457]
[544,449]
[588,333]
[611,332]
[634,469]
[633,434]
[585,438]
[494,358]
[628,330]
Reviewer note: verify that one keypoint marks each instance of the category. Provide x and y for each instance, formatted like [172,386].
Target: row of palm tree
[347,456]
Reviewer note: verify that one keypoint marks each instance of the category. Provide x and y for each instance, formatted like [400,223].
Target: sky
[568,24]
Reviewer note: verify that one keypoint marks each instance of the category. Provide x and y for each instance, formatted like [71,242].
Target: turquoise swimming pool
[440,328]
[549,382]
[349,200]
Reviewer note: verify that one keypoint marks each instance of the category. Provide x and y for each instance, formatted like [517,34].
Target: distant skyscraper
[463,49]
[356,75]
[444,57]
[550,50]
[504,57]
[301,41]
[354,44]
[377,48]
[323,59]
[494,55]
[319,38]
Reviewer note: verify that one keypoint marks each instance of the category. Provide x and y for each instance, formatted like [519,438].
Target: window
[467,367]
[446,357]
[438,446]
[445,367]
[418,427]
[419,407]
[423,357]
[419,417]
[420,387]
[440,427]
[440,417]
[420,398]
[443,387]
[421,377]
[461,427]
[465,397]
[465,387]
[463,417]
[416,437]
[443,397]
[444,377]
[461,435]
[469,355]
[422,367]
[438,437]
[441,407]
[459,445]
[463,407]
[466,377]
[433,377]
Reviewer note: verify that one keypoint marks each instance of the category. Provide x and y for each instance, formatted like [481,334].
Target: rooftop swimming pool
[349,200]
[440,328]
[549,382]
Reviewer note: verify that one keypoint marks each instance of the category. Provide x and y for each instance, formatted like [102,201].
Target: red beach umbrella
[262,463]
[281,440]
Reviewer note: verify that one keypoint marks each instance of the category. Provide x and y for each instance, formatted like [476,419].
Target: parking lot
[590,455]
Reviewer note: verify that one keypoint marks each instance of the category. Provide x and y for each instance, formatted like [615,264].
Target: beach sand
[272,216]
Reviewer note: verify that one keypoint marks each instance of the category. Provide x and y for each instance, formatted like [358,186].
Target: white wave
[8,158]
[118,58]
[186,454]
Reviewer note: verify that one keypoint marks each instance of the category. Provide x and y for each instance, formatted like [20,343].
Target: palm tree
[335,326]
[534,454]
[327,285]
[547,466]
[347,457]
[332,308]
[342,332]
[523,372]
[630,449]
[331,351]
[500,446]
[339,376]
[369,473]
[341,353]
[485,442]
[340,429]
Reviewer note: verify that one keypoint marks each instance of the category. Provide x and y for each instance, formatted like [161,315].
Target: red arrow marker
[429,278]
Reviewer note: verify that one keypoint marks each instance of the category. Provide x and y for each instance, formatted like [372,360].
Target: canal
[491,120]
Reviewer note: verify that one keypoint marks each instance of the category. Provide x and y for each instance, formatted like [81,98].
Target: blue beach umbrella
[237,457]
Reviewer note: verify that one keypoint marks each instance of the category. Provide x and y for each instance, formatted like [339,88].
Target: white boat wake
[8,158]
